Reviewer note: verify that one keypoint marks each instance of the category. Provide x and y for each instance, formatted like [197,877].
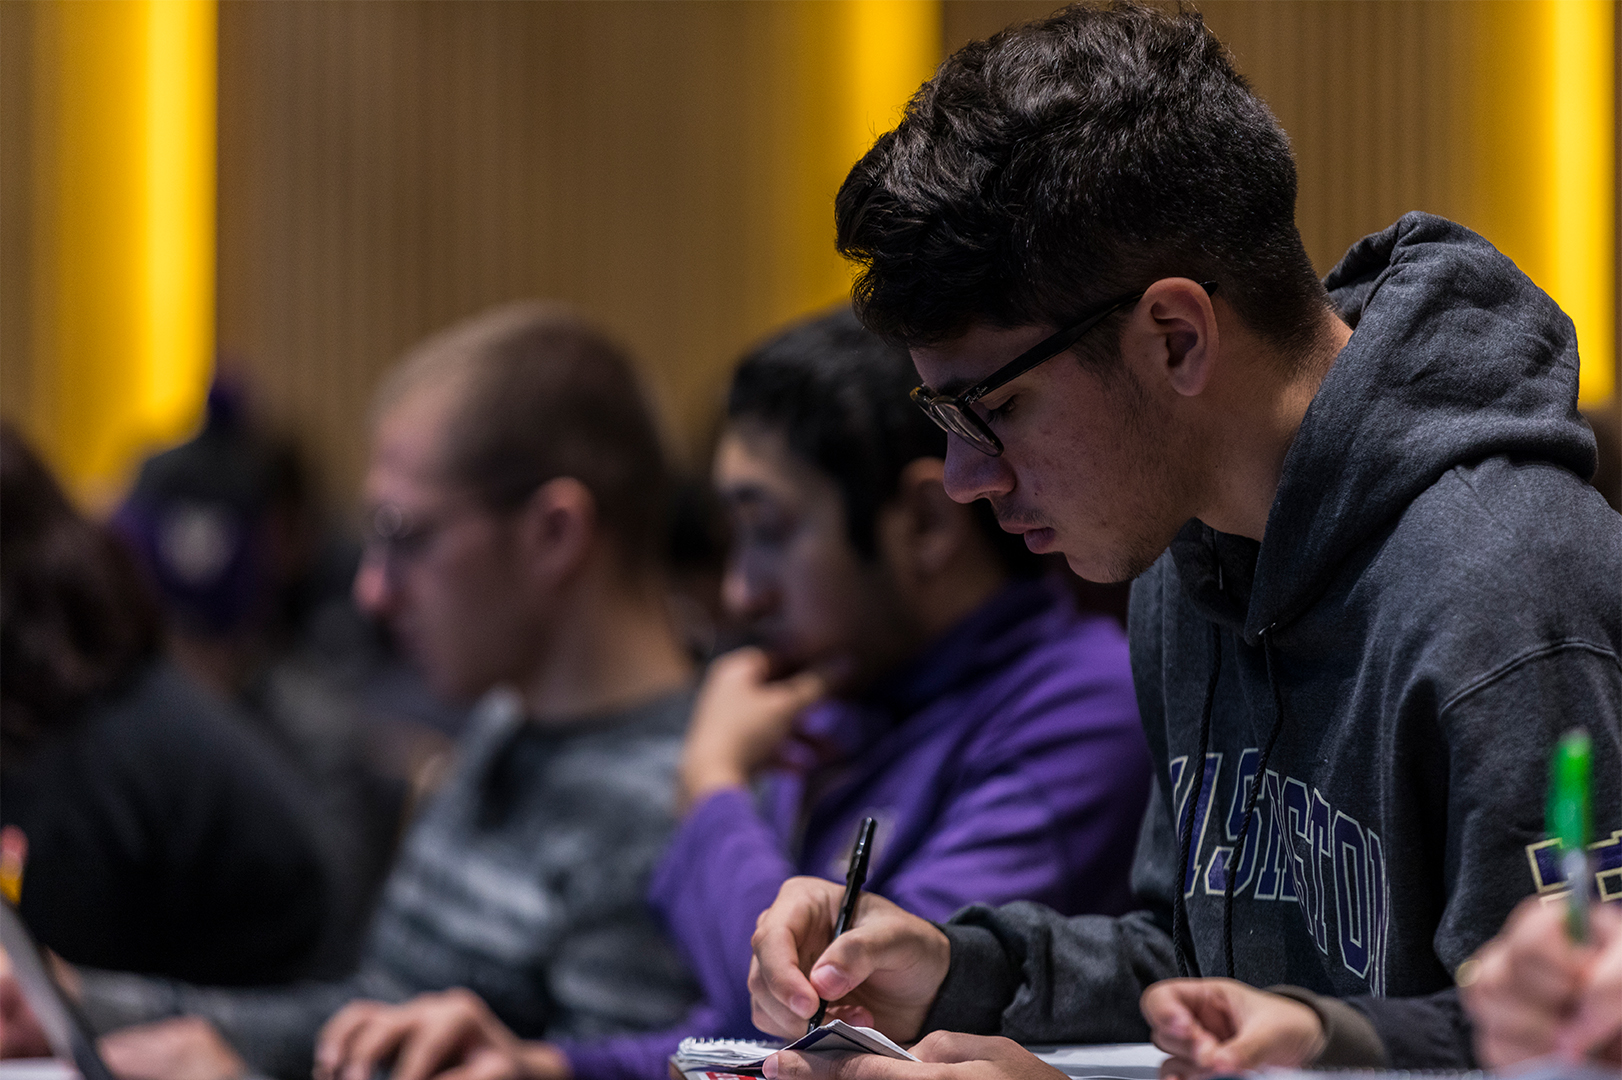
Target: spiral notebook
[700,1058]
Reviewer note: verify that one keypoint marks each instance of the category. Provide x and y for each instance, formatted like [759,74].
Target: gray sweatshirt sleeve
[1025,971]
[1430,1032]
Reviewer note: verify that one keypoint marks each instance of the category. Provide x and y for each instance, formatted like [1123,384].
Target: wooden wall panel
[387,168]
[16,126]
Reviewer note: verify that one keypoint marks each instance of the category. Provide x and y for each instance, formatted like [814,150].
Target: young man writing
[1373,589]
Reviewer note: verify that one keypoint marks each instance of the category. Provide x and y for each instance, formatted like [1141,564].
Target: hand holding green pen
[1569,821]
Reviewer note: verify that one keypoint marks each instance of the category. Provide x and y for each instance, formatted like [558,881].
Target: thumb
[845,964]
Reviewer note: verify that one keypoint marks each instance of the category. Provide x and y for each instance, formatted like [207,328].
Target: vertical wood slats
[386,168]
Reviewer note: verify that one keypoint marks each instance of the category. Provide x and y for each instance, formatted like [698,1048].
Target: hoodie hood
[1455,356]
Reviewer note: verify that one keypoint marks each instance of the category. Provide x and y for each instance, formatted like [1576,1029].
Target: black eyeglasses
[952,412]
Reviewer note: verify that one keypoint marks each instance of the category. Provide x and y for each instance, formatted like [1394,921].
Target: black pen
[854,877]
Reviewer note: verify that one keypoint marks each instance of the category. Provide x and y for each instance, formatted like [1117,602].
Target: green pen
[1569,822]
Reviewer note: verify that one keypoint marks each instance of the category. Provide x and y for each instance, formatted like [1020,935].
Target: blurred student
[256,608]
[912,663]
[515,494]
[161,836]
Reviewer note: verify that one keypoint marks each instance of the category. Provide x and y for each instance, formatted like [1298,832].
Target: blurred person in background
[256,605]
[516,495]
[162,837]
[913,663]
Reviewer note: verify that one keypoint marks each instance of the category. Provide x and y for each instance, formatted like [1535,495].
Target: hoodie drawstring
[1179,907]
[1250,801]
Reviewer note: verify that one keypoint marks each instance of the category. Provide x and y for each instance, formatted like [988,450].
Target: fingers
[428,1044]
[1270,1029]
[1596,1029]
[884,938]
[1174,1026]
[782,999]
[332,1044]
[1541,961]
[449,1026]
[374,1043]
[952,1047]
[1525,985]
[1517,1032]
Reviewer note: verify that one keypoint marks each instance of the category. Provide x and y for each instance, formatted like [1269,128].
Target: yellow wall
[122,244]
[384,168]
[1542,159]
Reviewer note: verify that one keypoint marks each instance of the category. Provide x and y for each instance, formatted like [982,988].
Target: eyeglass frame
[398,540]
[934,405]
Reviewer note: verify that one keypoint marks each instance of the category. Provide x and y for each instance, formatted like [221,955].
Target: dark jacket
[164,838]
[1436,599]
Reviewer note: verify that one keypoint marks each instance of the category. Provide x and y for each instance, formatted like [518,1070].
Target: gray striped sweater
[523,880]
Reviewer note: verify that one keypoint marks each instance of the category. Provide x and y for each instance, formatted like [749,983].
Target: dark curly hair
[838,394]
[75,617]
[1066,161]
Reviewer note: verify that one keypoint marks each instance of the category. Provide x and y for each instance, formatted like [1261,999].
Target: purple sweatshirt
[1004,763]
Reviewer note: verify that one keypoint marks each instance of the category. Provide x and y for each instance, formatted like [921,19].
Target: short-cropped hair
[1068,161]
[838,395]
[540,394]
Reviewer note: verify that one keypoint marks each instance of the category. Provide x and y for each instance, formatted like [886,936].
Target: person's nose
[746,593]
[372,589]
[972,474]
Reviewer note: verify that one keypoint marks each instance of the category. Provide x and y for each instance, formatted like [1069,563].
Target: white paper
[1131,1055]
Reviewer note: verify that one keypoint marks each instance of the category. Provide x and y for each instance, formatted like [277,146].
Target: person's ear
[1171,337]
[557,528]
[922,529]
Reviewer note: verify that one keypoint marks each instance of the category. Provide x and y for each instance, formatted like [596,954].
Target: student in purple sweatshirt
[912,662]
[960,697]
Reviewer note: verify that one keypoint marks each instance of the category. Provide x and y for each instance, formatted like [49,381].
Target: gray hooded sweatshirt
[1438,597]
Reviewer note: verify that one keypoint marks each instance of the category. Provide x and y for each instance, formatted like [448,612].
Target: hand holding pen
[855,877]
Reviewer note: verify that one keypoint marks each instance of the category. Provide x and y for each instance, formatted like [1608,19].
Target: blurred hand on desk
[451,1035]
[181,1048]
[20,1034]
